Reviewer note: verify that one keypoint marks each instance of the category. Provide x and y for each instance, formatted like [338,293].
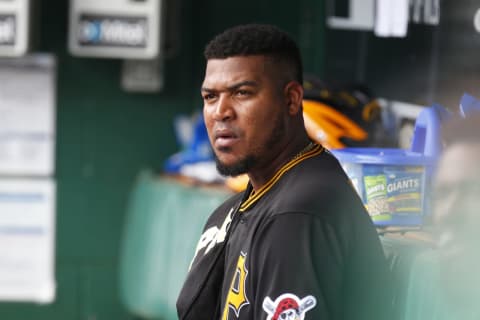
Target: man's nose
[224,109]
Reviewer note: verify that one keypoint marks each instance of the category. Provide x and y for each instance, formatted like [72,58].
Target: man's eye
[208,96]
[242,93]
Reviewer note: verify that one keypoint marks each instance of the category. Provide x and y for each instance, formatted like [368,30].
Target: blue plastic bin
[394,184]
[469,105]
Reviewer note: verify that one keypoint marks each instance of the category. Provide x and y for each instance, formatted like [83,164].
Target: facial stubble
[251,160]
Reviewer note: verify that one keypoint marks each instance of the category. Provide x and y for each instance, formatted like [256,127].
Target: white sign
[27,125]
[361,16]
[15,19]
[94,30]
[27,240]
[7,29]
[116,28]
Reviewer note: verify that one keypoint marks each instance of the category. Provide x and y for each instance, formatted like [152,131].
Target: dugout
[111,135]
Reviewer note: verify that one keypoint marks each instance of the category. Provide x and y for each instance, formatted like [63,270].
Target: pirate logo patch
[288,307]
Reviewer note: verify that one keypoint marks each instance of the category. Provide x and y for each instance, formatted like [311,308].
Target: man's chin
[229,170]
[235,169]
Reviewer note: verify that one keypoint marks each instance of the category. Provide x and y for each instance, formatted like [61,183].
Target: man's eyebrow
[233,87]
[249,83]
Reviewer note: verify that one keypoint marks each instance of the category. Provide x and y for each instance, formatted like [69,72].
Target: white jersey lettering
[213,236]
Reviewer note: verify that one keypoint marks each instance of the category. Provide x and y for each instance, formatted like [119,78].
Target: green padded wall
[401,254]
[163,224]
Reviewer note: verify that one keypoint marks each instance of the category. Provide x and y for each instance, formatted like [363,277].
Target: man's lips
[224,138]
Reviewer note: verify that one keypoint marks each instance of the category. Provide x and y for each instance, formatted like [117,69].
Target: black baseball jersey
[301,247]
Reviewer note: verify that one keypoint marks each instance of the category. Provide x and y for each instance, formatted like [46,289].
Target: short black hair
[258,39]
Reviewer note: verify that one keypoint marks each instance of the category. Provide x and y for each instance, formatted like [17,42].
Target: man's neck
[261,175]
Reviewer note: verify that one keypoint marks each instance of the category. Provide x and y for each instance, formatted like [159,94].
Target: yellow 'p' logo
[237,297]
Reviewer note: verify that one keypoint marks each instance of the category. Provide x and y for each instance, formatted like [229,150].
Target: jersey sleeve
[296,266]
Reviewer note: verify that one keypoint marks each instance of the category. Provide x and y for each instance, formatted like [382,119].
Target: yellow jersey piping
[252,199]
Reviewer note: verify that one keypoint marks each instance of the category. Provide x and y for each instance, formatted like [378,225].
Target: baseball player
[297,243]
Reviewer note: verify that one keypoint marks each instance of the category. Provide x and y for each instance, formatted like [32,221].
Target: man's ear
[294,97]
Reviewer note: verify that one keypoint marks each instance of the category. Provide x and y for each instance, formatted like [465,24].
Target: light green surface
[164,223]
[444,287]
[401,254]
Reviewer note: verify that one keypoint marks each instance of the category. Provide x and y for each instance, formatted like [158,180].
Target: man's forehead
[237,64]
[229,71]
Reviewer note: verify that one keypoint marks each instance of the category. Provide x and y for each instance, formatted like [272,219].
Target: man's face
[245,112]
[457,189]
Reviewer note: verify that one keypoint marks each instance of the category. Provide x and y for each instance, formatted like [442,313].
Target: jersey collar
[254,197]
